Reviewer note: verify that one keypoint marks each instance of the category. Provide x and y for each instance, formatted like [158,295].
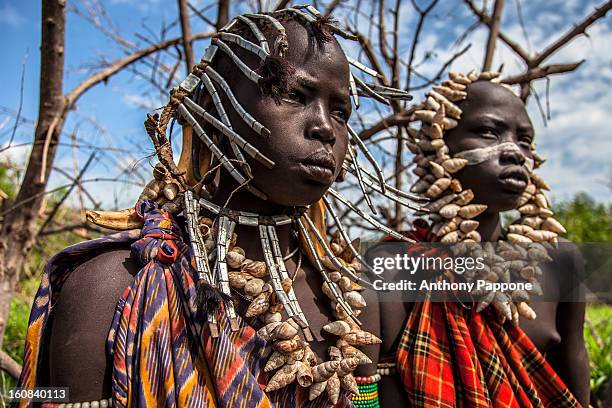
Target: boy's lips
[320,165]
[514,179]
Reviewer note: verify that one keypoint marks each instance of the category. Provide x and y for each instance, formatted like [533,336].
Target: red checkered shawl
[450,356]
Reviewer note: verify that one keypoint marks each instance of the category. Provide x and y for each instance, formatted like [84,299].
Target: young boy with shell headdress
[475,157]
[224,288]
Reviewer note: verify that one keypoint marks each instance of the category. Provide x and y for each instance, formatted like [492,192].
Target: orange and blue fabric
[163,354]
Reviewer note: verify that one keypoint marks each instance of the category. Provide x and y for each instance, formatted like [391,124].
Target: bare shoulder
[568,265]
[100,275]
[393,311]
[80,322]
[568,269]
[567,251]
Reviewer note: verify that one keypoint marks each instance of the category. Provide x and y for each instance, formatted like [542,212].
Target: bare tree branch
[396,119]
[521,20]
[20,106]
[395,50]
[75,169]
[97,15]
[21,203]
[415,39]
[396,221]
[10,366]
[200,14]
[331,7]
[222,14]
[534,71]
[65,196]
[571,34]
[485,19]
[366,45]
[538,102]
[442,69]
[95,204]
[80,146]
[186,34]
[282,4]
[71,227]
[382,33]
[493,34]
[542,72]
[118,65]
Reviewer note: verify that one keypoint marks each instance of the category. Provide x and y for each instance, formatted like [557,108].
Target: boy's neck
[248,236]
[489,226]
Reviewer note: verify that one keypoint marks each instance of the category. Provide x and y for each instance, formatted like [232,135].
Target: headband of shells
[452,209]
[267,286]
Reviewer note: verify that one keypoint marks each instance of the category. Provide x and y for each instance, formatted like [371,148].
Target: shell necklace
[269,289]
[452,211]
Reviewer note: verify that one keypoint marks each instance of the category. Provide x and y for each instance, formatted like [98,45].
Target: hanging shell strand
[293,359]
[452,210]
[268,288]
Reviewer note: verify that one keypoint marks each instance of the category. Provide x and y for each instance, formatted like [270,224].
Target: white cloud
[17,154]
[577,139]
[10,16]
[141,101]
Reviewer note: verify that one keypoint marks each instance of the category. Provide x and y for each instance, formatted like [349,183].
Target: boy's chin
[502,202]
[299,196]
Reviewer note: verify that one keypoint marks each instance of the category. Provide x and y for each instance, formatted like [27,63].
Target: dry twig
[10,366]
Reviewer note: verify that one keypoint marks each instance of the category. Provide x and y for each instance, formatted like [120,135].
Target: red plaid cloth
[450,356]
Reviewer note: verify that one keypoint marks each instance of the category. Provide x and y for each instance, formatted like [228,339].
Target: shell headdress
[453,209]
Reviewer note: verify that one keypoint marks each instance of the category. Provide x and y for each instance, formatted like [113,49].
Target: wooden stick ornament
[222,266]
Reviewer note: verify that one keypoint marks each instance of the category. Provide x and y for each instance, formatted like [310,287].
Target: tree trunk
[493,33]
[18,232]
[186,34]
[399,177]
[222,14]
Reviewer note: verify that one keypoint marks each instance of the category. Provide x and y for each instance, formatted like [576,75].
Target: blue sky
[576,141]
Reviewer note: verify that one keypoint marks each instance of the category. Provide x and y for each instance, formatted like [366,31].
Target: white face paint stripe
[477,156]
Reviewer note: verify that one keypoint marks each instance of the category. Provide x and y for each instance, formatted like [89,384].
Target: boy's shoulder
[81,318]
[102,272]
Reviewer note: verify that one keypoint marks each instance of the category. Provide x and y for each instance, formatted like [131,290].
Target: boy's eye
[525,142]
[340,114]
[487,132]
[294,97]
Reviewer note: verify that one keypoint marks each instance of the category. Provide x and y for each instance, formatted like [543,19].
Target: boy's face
[308,127]
[493,115]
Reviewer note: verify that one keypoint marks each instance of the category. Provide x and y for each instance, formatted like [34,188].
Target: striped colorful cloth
[162,352]
[450,356]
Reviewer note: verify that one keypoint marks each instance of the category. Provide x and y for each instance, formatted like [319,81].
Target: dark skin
[492,114]
[318,105]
